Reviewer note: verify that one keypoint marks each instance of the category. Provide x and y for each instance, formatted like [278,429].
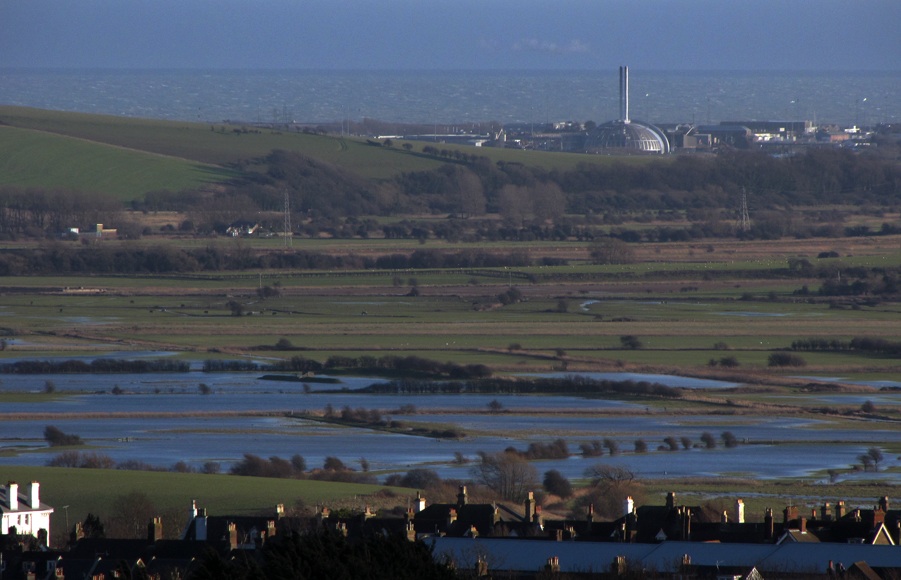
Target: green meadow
[95,491]
[201,152]
[37,159]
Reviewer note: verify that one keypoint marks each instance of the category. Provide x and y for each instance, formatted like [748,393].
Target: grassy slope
[36,159]
[222,145]
[95,490]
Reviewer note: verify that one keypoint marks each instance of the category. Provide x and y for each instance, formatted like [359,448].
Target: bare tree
[876,455]
[611,251]
[603,475]
[130,514]
[507,474]
[612,446]
[610,486]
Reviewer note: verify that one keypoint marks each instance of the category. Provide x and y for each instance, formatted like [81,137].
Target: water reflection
[772,446]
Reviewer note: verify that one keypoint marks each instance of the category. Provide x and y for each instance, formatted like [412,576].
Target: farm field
[684,313]
[756,334]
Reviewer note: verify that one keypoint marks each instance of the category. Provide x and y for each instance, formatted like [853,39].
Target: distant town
[460,539]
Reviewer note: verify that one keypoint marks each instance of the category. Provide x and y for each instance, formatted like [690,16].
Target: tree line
[469,185]
[388,364]
[96,366]
[521,386]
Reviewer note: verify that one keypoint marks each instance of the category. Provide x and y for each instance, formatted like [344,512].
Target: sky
[803,35]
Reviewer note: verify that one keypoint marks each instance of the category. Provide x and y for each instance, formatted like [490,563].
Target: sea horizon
[457,97]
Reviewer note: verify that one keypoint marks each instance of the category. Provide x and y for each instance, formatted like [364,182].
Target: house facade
[21,509]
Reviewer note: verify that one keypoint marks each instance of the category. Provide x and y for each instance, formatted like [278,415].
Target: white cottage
[24,511]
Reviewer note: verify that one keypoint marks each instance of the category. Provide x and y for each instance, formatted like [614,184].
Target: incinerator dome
[627,135]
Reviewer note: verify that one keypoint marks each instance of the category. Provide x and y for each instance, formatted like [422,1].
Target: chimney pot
[34,495]
[12,490]
[628,506]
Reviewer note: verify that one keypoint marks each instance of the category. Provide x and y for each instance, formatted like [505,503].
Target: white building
[23,510]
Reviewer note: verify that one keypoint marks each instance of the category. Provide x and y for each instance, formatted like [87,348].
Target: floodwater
[769,447]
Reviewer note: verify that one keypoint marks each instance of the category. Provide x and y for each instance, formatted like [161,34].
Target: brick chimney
[553,565]
[529,507]
[826,512]
[411,531]
[323,515]
[789,514]
[451,516]
[725,517]
[840,510]
[628,506]
[155,530]
[802,525]
[590,515]
[878,517]
[420,502]
[200,525]
[686,524]
[34,495]
[280,510]
[79,531]
[740,511]
[769,532]
[671,500]
[232,536]
[536,517]
[368,513]
[883,503]
[461,497]
[12,494]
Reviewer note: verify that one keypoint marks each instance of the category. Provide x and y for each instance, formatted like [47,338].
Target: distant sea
[460,97]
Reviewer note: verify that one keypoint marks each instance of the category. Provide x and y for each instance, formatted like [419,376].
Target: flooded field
[124,427]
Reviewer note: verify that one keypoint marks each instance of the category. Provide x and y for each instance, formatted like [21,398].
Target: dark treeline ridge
[471,185]
[555,386]
[407,365]
[60,258]
[573,201]
[870,345]
[96,366]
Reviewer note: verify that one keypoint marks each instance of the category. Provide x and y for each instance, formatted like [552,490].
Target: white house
[23,510]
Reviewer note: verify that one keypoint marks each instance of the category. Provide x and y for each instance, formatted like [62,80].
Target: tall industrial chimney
[624,94]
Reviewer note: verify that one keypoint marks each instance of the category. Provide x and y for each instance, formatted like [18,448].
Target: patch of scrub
[749,314]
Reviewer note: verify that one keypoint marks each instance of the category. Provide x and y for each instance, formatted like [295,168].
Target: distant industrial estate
[628,136]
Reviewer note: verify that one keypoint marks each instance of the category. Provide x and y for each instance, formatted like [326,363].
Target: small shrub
[729,362]
[785,359]
[557,484]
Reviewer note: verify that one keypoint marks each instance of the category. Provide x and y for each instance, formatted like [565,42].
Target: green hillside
[216,144]
[222,145]
[95,490]
[31,158]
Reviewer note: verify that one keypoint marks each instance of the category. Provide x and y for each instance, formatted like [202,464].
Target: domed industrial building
[626,135]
